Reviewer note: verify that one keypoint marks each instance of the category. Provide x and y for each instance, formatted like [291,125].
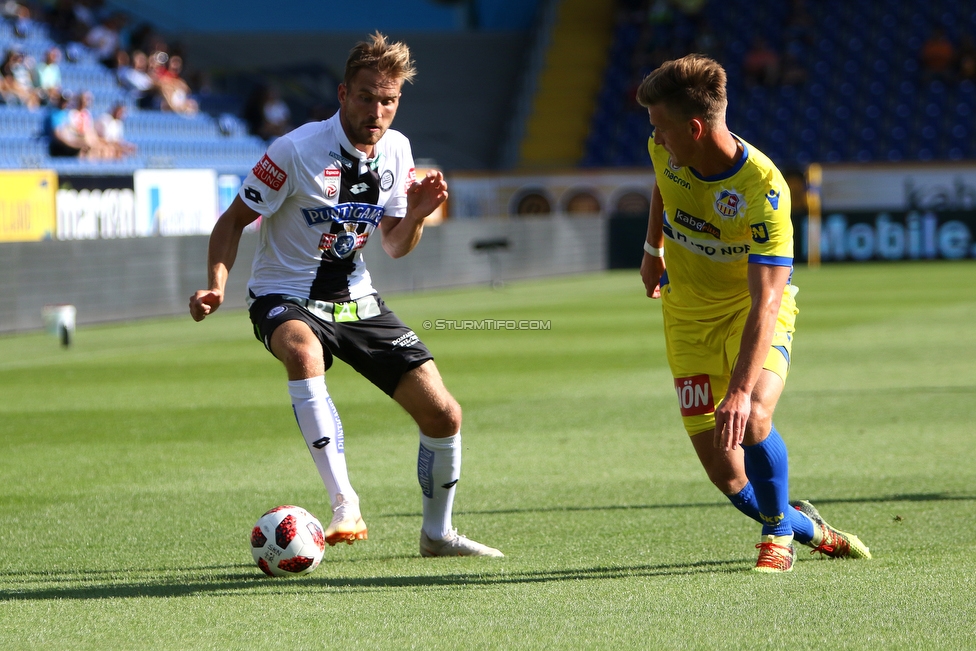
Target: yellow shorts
[702,355]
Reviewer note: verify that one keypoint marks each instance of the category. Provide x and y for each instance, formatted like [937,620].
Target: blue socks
[745,501]
[767,467]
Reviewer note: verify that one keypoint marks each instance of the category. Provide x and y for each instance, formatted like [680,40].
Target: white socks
[322,430]
[438,471]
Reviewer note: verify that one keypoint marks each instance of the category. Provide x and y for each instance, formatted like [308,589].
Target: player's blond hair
[693,86]
[389,59]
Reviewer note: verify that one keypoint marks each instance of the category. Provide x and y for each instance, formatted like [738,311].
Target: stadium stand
[859,95]
[851,88]
[164,140]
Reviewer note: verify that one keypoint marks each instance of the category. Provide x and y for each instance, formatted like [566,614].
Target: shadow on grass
[906,497]
[236,583]
[240,578]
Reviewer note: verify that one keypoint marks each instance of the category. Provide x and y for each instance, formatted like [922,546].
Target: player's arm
[401,234]
[766,285]
[652,265]
[224,240]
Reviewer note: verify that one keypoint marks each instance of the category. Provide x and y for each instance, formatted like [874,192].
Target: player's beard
[364,136]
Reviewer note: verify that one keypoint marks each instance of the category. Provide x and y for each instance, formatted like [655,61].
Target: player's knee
[442,419]
[725,480]
[760,420]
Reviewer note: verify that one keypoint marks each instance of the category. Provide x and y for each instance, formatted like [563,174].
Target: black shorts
[381,348]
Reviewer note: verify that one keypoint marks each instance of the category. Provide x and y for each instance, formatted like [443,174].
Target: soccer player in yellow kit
[720,217]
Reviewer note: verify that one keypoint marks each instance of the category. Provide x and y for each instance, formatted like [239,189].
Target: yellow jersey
[715,226]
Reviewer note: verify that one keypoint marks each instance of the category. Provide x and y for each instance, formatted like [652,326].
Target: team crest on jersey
[386,180]
[728,203]
[331,178]
[344,244]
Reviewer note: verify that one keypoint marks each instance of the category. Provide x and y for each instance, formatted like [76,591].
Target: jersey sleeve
[272,179]
[771,228]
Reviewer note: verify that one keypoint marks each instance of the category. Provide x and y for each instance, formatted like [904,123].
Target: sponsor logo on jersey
[674,178]
[718,251]
[343,213]
[359,188]
[386,180]
[330,183]
[760,234]
[773,197]
[321,443]
[253,195]
[345,162]
[694,395]
[411,179]
[270,174]
[728,203]
[275,311]
[696,224]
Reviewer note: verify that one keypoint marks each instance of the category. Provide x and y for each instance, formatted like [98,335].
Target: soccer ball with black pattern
[287,541]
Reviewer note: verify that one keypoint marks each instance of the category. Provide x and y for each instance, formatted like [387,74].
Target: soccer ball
[287,541]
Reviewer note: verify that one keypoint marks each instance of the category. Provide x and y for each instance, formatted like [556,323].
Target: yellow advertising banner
[27,212]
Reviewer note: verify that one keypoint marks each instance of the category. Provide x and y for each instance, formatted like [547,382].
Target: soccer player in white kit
[322,189]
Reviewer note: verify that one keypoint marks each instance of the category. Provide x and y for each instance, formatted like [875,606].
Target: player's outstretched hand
[204,302]
[427,194]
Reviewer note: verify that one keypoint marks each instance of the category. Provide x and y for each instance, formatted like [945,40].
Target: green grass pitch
[134,464]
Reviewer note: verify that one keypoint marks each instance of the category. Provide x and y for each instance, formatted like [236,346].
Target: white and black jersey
[320,199]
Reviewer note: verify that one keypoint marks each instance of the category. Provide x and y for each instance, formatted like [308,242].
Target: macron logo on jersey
[694,395]
[270,174]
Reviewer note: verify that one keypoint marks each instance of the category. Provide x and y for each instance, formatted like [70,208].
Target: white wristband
[656,251]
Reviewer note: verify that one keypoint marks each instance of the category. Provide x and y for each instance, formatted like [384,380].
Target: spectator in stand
[63,139]
[794,73]
[937,56]
[266,114]
[105,38]
[174,92]
[17,80]
[67,19]
[110,128]
[800,26]
[132,74]
[966,61]
[84,123]
[761,64]
[48,74]
[17,13]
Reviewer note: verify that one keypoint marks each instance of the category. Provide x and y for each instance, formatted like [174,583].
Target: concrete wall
[110,280]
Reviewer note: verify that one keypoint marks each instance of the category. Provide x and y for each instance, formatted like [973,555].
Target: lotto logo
[270,174]
[694,395]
